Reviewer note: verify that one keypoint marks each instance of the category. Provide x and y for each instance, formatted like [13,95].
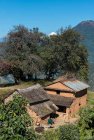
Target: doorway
[62,109]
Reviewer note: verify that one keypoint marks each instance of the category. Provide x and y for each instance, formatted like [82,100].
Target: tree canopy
[22,52]
[32,51]
[65,54]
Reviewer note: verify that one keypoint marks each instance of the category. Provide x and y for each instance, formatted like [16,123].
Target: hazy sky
[48,15]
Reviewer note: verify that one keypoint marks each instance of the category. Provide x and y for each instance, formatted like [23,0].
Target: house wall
[10,98]
[80,100]
[77,104]
[33,115]
[58,85]
[67,94]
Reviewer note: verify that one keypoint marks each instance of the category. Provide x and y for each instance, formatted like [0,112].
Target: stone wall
[77,104]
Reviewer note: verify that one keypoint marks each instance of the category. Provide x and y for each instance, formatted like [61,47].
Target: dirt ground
[61,120]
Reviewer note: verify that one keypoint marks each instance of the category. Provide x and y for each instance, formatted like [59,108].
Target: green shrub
[50,135]
[69,132]
[86,123]
[15,123]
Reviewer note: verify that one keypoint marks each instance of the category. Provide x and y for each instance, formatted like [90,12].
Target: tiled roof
[44,108]
[61,100]
[39,100]
[34,94]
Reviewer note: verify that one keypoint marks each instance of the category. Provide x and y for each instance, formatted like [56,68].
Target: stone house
[39,104]
[69,94]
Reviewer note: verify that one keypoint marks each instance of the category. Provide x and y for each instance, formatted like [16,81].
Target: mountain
[52,33]
[1,39]
[86,29]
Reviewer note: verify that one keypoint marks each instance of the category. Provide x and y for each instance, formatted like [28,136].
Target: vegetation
[66,132]
[86,123]
[50,135]
[22,51]
[90,98]
[15,123]
[32,52]
[86,29]
[69,132]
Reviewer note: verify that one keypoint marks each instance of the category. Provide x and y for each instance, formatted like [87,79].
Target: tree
[15,123]
[22,52]
[65,54]
[72,55]
[34,52]
[86,123]
[51,64]
[75,55]
[4,67]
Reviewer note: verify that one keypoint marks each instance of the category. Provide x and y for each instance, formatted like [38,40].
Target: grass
[5,90]
[90,97]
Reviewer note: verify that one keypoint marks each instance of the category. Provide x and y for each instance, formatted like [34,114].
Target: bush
[50,135]
[86,123]
[15,123]
[69,132]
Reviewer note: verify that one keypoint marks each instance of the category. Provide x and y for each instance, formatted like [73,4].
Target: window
[58,92]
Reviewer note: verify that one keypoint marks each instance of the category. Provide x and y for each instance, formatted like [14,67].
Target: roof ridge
[37,86]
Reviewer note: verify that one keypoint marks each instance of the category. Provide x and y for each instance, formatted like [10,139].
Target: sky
[47,15]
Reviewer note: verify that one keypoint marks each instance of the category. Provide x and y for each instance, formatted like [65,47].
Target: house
[69,94]
[7,80]
[39,104]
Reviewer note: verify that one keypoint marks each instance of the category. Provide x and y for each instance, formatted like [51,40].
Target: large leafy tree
[51,66]
[70,54]
[22,49]
[34,52]
[4,67]
[52,54]
[65,54]
[15,123]
[75,54]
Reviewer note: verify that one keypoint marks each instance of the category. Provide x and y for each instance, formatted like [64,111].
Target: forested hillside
[86,29]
